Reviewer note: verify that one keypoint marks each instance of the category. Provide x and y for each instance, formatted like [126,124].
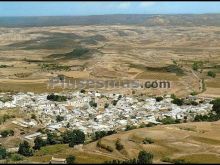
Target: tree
[82,91]
[118,145]
[100,134]
[33,116]
[158,99]
[145,157]
[173,96]
[73,137]
[216,106]
[106,105]
[92,104]
[70,159]
[51,138]
[177,101]
[25,149]
[59,118]
[68,125]
[211,74]
[3,153]
[38,143]
[197,65]
[58,98]
[114,102]
[6,133]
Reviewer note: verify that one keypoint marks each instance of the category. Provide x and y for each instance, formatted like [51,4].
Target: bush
[100,134]
[129,127]
[169,120]
[3,153]
[16,157]
[209,117]
[148,141]
[194,103]
[193,93]
[70,159]
[145,157]
[166,159]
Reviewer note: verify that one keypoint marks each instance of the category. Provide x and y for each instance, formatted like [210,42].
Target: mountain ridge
[122,19]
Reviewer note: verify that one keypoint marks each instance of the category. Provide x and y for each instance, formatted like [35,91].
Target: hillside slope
[193,142]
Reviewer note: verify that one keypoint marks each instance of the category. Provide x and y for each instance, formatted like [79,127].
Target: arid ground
[111,52]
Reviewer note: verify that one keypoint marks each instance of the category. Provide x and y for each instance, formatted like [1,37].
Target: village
[93,111]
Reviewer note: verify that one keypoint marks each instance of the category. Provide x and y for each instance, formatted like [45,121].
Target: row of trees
[72,138]
[143,158]
[101,134]
[58,98]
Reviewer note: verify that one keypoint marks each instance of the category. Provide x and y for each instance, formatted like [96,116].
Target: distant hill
[124,19]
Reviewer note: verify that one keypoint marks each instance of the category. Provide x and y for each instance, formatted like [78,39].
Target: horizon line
[111,14]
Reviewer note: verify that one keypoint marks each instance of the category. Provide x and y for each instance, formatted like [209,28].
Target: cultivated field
[110,52]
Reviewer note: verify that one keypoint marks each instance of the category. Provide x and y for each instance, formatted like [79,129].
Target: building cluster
[110,111]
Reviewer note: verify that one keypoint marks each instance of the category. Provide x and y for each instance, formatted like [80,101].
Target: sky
[57,8]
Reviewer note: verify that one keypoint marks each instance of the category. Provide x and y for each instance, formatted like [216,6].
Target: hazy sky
[97,8]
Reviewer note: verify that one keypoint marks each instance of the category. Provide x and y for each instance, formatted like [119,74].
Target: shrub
[148,141]
[118,145]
